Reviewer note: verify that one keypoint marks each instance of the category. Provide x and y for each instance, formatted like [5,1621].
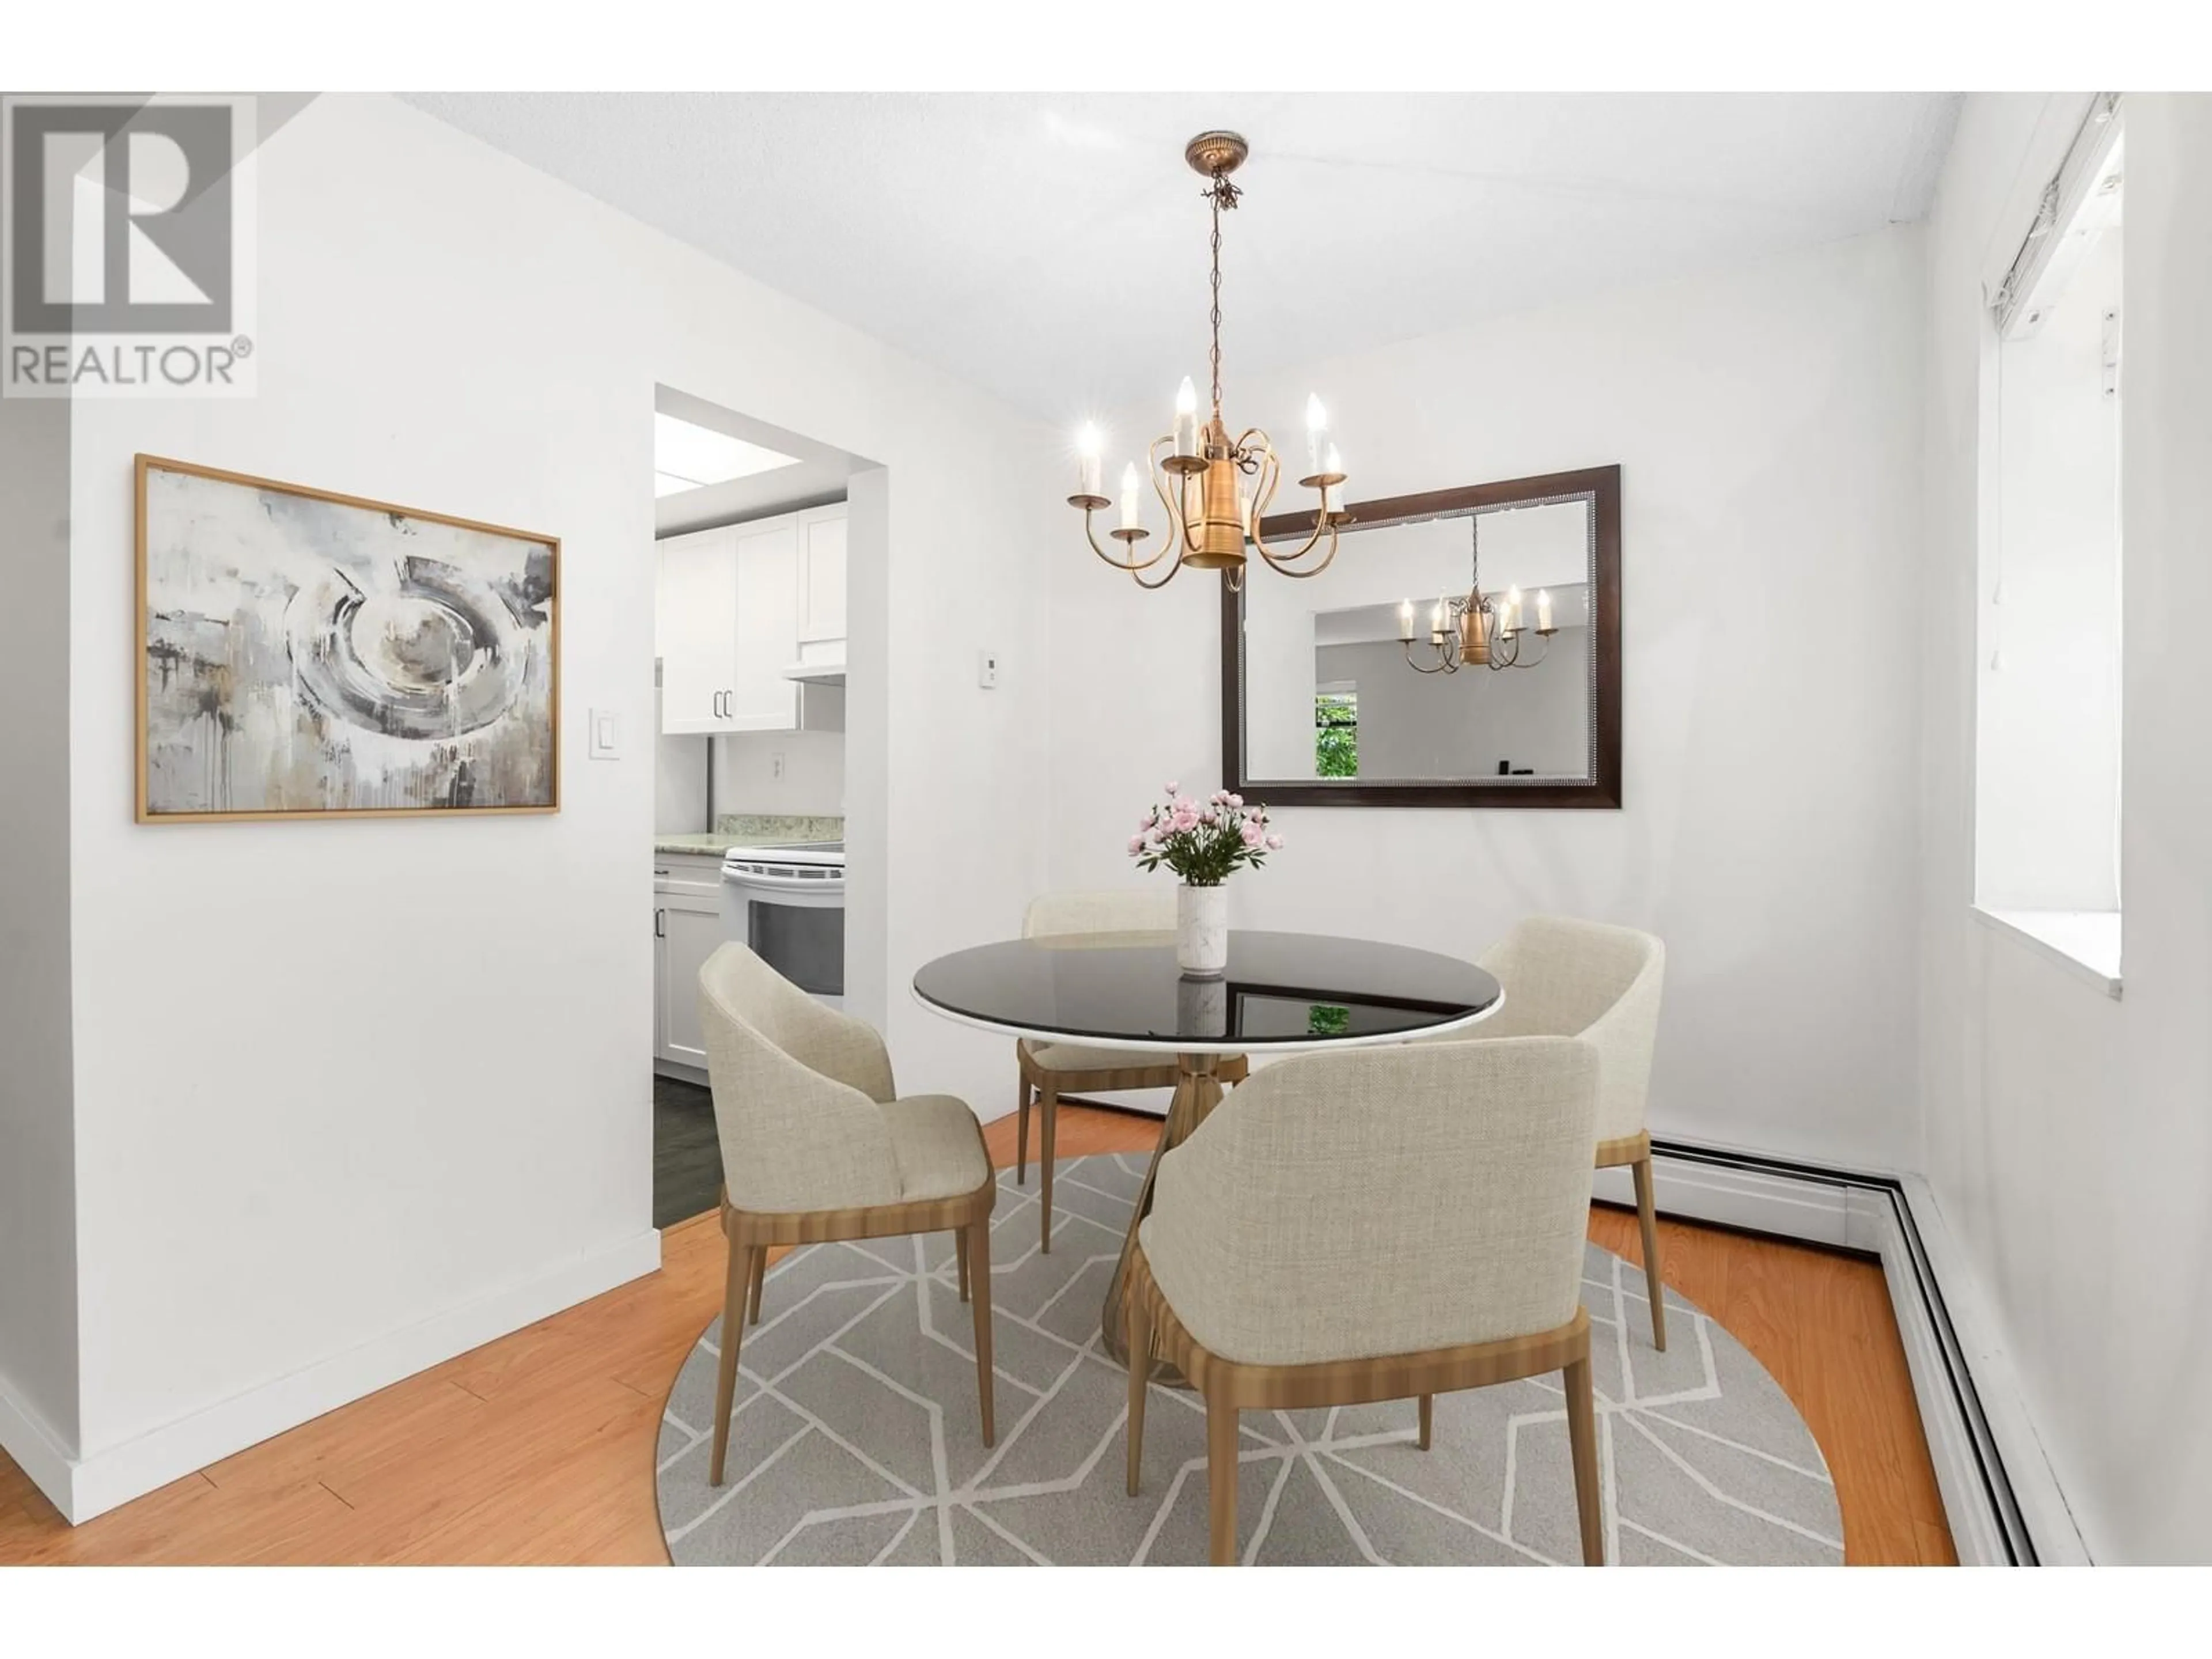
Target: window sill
[2085,943]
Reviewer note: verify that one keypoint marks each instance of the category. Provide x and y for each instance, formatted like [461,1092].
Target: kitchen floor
[687,1159]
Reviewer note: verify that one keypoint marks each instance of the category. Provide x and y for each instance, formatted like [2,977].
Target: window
[1336,731]
[2047,778]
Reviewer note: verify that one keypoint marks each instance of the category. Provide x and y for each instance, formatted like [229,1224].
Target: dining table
[1281,993]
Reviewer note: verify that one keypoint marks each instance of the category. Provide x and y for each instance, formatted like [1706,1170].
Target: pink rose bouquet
[1204,841]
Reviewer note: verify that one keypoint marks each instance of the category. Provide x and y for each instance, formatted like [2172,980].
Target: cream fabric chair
[819,1145]
[1568,978]
[1370,1225]
[1048,1070]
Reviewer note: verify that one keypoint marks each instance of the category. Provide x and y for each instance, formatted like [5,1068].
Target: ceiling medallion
[1215,489]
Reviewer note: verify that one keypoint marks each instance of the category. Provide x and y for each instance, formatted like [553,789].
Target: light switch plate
[986,669]
[606,734]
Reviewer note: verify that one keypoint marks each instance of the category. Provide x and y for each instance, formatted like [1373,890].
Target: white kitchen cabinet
[821,575]
[695,613]
[737,606]
[763,699]
[687,927]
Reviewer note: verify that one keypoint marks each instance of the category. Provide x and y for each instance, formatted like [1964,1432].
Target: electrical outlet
[986,669]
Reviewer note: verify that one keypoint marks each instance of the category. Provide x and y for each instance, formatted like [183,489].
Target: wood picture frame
[1600,791]
[155,662]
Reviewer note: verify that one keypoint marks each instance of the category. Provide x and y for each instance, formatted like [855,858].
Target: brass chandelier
[1469,630]
[1215,489]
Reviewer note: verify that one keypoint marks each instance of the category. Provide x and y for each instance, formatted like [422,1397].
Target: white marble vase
[1202,929]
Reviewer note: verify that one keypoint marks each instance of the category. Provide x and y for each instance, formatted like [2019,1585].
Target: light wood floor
[538,1447]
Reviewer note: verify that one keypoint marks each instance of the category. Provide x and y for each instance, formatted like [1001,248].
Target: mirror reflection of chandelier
[1472,630]
[1214,487]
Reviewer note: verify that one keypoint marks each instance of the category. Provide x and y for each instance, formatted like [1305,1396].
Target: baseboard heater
[1875,1218]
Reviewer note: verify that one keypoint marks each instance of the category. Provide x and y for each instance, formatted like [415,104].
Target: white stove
[786,902]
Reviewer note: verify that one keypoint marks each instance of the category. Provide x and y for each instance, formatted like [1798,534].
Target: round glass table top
[1282,991]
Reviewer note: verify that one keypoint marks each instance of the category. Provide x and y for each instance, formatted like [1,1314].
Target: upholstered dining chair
[1371,1225]
[817,1145]
[1563,977]
[1049,1070]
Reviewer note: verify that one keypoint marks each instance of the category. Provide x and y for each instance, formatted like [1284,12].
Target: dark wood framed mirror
[1462,649]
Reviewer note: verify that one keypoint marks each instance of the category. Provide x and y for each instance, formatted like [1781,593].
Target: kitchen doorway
[752,564]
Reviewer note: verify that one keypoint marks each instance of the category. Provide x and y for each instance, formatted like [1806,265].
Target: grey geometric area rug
[855,1439]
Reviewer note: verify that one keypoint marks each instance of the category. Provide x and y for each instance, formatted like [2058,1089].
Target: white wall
[679,780]
[2067,1136]
[335,1082]
[1766,422]
[813,781]
[38,1191]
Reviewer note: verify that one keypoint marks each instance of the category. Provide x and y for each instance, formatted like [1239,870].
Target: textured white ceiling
[1051,247]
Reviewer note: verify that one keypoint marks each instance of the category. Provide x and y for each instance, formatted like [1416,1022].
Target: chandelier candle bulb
[1406,621]
[1129,497]
[1317,431]
[1510,621]
[1186,419]
[1332,495]
[1544,611]
[1086,466]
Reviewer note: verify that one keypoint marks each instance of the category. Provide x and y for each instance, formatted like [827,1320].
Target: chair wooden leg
[734,1294]
[1022,1136]
[753,1296]
[1582,1438]
[1428,1419]
[1221,1481]
[1048,1107]
[979,1285]
[1647,1217]
[1141,1370]
[960,1250]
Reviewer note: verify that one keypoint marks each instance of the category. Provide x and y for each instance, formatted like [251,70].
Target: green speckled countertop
[702,845]
[748,829]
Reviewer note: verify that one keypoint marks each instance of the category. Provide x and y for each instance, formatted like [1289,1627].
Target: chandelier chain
[1222,194]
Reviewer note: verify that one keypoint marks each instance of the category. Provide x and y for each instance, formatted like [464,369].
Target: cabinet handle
[660,924]
[660,873]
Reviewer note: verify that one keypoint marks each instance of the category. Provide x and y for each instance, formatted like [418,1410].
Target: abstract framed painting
[302,654]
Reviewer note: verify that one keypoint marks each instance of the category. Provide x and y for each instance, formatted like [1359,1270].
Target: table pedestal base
[1197,1092]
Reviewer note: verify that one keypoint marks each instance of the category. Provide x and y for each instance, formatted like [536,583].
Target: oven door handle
[776,881]
[780,889]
